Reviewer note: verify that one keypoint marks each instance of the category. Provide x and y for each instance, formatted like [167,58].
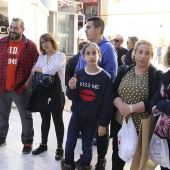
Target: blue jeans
[88,129]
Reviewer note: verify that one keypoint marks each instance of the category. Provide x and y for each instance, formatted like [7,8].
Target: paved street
[11,157]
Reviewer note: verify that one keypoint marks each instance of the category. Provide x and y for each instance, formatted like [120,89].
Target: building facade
[142,18]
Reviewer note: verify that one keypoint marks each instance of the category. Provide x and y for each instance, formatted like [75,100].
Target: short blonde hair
[141,42]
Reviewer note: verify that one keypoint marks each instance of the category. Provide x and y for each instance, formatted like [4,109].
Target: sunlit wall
[148,19]
[34,14]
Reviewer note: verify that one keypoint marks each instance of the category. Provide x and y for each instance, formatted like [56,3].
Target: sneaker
[65,166]
[95,142]
[83,167]
[80,166]
[27,148]
[59,154]
[39,150]
[101,164]
[79,161]
[2,142]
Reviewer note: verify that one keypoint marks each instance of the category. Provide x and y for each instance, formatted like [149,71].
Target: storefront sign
[4,24]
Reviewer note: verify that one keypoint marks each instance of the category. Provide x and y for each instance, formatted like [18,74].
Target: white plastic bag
[159,151]
[127,140]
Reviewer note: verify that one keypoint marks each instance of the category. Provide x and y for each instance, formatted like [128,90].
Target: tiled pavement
[11,157]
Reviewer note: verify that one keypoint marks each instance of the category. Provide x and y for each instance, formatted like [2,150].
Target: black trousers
[102,144]
[117,162]
[58,123]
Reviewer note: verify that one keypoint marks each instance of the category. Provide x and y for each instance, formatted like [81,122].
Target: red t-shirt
[12,57]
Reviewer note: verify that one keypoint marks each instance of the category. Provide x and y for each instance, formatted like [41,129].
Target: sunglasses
[129,42]
[115,40]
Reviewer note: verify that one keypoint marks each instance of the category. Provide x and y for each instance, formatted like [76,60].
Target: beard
[14,36]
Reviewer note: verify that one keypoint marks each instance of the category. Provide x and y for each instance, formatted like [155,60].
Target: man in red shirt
[17,57]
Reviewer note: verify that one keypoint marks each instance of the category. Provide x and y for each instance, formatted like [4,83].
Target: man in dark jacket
[72,63]
[117,43]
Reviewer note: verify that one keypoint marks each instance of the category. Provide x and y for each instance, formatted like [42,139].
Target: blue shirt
[108,61]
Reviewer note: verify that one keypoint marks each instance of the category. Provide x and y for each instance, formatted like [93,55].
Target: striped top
[56,64]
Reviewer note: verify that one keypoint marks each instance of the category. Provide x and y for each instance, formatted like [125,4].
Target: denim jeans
[26,119]
[88,129]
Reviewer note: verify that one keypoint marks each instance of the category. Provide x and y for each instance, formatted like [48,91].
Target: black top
[70,67]
[120,52]
[128,59]
[162,97]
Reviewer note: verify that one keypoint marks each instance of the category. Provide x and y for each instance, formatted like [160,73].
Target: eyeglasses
[115,40]
[129,42]
[44,42]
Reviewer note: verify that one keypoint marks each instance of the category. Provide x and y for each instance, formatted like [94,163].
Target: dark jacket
[70,67]
[122,51]
[160,101]
[47,101]
[128,59]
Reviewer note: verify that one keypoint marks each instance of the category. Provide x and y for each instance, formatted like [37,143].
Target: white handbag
[127,140]
[159,151]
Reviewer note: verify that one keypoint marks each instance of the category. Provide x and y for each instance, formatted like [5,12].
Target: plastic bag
[127,140]
[159,151]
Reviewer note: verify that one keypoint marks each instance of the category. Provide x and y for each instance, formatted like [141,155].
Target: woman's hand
[36,69]
[123,108]
[101,131]
[72,83]
[125,111]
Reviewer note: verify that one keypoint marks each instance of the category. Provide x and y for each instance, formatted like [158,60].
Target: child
[91,93]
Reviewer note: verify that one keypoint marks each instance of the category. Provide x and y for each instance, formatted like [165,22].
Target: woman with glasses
[51,62]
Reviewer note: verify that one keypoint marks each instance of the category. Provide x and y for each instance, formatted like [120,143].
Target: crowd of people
[106,83]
